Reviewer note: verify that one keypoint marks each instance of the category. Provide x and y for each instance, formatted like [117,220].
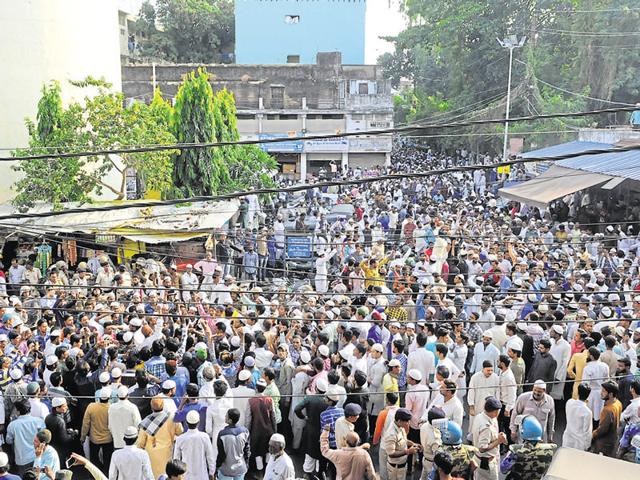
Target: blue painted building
[294,31]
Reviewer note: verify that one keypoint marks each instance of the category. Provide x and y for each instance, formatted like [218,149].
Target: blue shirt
[181,386]
[156,366]
[21,433]
[329,417]
[250,263]
[10,476]
[49,458]
[402,378]
[181,415]
[431,346]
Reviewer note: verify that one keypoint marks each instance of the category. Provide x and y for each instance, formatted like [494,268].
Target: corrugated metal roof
[619,164]
[565,148]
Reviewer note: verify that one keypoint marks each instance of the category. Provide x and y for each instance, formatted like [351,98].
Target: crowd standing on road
[442,333]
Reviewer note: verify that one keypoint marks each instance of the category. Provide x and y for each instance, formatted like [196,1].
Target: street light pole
[511,43]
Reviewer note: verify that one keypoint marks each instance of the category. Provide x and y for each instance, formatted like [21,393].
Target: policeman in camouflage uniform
[464,463]
[531,459]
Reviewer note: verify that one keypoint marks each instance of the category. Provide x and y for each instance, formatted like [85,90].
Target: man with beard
[539,404]
[605,437]
[280,466]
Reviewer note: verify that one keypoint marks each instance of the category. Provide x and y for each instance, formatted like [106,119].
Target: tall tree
[186,31]
[57,130]
[197,171]
[99,122]
[202,117]
[575,49]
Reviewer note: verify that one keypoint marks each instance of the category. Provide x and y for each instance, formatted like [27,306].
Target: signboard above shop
[288,146]
[328,145]
[377,144]
[370,144]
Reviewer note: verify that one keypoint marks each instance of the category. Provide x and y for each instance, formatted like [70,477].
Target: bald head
[352,439]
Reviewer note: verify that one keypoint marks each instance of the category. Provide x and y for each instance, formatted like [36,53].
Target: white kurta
[280,468]
[215,420]
[299,384]
[577,434]
[194,448]
[595,374]
[130,462]
[322,272]
[424,361]
[561,351]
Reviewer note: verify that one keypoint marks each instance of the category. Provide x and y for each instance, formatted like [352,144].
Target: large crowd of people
[441,333]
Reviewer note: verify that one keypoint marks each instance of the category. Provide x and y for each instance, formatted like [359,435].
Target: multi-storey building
[281,101]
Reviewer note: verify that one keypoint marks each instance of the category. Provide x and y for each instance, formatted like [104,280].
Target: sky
[383,19]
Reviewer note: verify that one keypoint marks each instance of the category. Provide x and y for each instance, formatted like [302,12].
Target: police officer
[531,459]
[487,438]
[397,446]
[464,463]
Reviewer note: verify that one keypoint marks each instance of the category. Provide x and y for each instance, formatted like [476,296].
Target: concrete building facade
[295,31]
[282,101]
[45,40]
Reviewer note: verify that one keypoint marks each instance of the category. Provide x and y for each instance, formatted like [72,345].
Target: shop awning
[154,237]
[553,184]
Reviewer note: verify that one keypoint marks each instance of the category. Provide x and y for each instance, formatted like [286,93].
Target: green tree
[249,166]
[186,31]
[202,117]
[53,179]
[100,122]
[197,171]
[575,48]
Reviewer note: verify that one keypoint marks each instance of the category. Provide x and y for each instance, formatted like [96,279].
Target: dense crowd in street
[439,334]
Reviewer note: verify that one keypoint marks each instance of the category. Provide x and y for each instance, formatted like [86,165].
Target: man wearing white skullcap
[280,466]
[539,404]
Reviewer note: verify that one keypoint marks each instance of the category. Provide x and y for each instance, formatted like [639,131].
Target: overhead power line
[297,188]
[495,121]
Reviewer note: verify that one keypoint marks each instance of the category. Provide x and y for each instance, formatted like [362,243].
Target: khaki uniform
[485,431]
[431,440]
[393,441]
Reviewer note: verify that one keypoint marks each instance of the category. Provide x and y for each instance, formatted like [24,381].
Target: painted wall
[265,33]
[44,40]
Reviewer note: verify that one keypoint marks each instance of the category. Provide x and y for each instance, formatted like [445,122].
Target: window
[362,87]
[277,96]
[288,116]
[292,19]
[245,116]
[293,58]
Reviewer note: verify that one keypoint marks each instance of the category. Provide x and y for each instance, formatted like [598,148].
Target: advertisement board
[299,246]
[329,145]
[289,146]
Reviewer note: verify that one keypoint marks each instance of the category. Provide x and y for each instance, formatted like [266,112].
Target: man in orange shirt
[383,422]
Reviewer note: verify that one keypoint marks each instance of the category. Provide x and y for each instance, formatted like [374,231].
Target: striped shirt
[402,378]
[329,417]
